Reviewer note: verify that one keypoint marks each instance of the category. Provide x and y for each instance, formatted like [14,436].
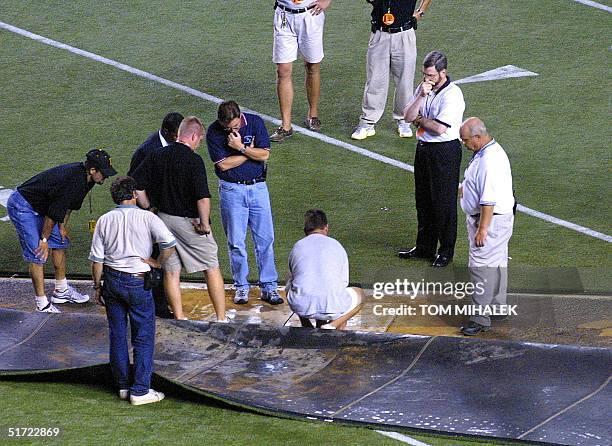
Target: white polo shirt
[488,181]
[126,235]
[445,106]
[295,4]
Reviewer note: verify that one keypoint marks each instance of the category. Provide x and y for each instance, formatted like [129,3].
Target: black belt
[123,273]
[249,182]
[391,29]
[478,215]
[292,11]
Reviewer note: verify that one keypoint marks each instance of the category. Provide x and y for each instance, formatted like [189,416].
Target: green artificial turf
[554,127]
[83,405]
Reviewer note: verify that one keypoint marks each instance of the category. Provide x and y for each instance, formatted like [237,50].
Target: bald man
[488,202]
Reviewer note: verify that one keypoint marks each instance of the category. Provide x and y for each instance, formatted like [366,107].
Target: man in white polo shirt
[488,202]
[298,29]
[121,255]
[436,110]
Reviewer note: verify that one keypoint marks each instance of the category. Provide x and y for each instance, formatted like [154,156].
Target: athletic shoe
[271,297]
[328,327]
[313,124]
[280,134]
[152,397]
[242,296]
[124,394]
[49,308]
[403,128]
[362,132]
[69,296]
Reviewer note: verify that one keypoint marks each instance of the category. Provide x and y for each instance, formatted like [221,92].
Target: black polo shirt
[402,10]
[53,192]
[175,175]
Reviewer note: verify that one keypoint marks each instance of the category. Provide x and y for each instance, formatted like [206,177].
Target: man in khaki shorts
[175,175]
[298,29]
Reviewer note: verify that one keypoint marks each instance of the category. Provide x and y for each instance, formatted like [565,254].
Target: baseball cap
[101,160]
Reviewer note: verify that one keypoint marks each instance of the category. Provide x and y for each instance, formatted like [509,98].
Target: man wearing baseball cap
[40,209]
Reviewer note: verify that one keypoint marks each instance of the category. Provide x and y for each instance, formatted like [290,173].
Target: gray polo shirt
[319,276]
[126,235]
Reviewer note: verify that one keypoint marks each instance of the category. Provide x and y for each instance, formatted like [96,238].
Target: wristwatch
[43,240]
[244,149]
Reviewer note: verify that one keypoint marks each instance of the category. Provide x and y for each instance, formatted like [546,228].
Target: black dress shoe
[413,253]
[441,261]
[473,328]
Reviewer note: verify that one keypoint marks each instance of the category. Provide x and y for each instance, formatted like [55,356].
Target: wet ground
[551,319]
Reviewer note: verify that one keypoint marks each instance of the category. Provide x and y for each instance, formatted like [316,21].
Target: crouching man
[317,287]
[121,256]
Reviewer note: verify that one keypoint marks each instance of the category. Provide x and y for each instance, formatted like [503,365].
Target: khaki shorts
[194,252]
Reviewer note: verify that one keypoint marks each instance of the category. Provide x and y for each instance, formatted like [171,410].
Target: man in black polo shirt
[239,146]
[40,209]
[391,51]
[177,177]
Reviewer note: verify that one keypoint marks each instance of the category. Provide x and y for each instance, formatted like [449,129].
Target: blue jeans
[28,224]
[125,296]
[242,207]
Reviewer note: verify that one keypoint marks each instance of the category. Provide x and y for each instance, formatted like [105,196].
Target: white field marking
[4,195]
[319,136]
[595,5]
[505,72]
[403,438]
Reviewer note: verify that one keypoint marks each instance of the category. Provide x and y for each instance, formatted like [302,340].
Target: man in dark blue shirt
[40,209]
[239,146]
[161,138]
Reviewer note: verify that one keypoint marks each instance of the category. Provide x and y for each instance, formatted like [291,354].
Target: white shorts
[302,32]
[355,300]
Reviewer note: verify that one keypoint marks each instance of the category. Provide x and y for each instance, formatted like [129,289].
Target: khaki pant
[393,54]
[488,264]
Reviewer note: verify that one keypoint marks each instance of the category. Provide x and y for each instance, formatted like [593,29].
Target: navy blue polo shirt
[252,129]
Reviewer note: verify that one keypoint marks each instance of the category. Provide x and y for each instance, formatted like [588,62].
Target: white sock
[41,302]
[61,285]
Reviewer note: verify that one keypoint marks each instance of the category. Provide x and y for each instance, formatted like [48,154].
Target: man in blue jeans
[239,146]
[121,255]
[40,209]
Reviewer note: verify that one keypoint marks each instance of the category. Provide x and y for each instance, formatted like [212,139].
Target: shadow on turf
[100,377]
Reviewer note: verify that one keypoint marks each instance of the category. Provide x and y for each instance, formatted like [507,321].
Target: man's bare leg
[172,287]
[37,273]
[313,87]
[216,291]
[59,263]
[284,90]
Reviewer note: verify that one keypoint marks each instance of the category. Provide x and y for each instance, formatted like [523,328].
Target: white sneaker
[152,397]
[328,327]
[404,129]
[124,394]
[49,308]
[69,296]
[363,131]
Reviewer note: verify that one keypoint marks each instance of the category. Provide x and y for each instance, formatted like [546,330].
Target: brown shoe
[280,134]
[313,124]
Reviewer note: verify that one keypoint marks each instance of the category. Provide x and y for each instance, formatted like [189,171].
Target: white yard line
[403,438]
[594,5]
[319,136]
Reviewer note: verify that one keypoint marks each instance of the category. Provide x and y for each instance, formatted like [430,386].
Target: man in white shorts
[317,287]
[298,28]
